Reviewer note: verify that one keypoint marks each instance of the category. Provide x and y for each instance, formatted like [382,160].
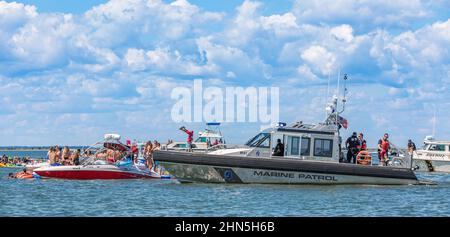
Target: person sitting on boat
[216,142]
[279,149]
[383,148]
[190,137]
[352,144]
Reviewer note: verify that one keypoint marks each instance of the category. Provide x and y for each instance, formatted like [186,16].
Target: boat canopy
[112,136]
[115,146]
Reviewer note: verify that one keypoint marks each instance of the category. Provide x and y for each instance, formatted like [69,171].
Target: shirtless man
[52,156]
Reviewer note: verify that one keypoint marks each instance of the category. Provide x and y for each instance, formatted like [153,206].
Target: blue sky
[71,71]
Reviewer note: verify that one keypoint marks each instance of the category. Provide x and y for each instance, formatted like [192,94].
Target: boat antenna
[345,93]
[337,100]
[328,92]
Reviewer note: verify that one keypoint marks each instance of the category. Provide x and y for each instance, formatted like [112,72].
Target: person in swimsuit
[65,157]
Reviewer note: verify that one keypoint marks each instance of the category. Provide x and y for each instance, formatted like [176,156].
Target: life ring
[364,158]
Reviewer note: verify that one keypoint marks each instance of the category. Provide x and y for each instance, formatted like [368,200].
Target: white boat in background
[209,139]
[434,156]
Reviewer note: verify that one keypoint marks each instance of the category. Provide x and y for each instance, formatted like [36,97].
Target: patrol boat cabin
[300,141]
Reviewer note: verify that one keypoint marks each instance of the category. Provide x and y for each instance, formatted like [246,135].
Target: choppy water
[166,198]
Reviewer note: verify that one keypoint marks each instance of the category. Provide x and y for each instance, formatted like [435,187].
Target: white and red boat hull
[93,172]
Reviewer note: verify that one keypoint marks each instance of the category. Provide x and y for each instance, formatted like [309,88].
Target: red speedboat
[100,166]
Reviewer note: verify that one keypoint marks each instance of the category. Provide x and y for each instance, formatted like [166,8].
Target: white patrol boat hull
[189,167]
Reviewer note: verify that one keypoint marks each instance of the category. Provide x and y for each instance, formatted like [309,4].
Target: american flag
[343,122]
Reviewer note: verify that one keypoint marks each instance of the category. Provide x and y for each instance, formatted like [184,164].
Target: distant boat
[209,139]
[434,156]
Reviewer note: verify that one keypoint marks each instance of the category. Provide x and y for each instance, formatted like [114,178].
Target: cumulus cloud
[118,61]
[367,15]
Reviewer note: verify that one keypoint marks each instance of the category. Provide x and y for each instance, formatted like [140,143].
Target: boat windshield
[258,139]
[436,147]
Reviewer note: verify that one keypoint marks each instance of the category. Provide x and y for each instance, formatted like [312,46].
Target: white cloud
[343,32]
[320,58]
[364,14]
[280,24]
[121,59]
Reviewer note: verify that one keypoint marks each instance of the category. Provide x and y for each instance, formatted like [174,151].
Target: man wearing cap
[352,144]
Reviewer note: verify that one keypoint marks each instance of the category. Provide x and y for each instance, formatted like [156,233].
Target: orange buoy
[364,158]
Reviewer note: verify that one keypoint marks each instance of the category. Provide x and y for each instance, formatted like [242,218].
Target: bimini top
[112,136]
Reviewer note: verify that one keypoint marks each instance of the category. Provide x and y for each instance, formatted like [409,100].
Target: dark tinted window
[306,144]
[323,147]
[294,145]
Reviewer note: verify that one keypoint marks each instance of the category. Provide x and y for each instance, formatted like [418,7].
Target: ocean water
[51,197]
[19,153]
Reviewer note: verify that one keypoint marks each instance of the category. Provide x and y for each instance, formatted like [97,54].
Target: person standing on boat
[352,144]
[52,156]
[362,143]
[190,137]
[66,154]
[148,152]
[383,148]
[279,149]
[58,157]
[411,146]
[75,157]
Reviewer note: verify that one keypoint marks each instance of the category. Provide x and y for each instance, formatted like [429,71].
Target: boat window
[294,145]
[265,143]
[306,143]
[436,147]
[201,139]
[323,147]
[260,140]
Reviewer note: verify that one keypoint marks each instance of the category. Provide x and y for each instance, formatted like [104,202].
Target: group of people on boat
[356,147]
[357,152]
[65,156]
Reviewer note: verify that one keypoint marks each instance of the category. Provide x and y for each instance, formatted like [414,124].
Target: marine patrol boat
[434,156]
[311,156]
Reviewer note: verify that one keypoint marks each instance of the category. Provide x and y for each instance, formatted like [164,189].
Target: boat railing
[402,158]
